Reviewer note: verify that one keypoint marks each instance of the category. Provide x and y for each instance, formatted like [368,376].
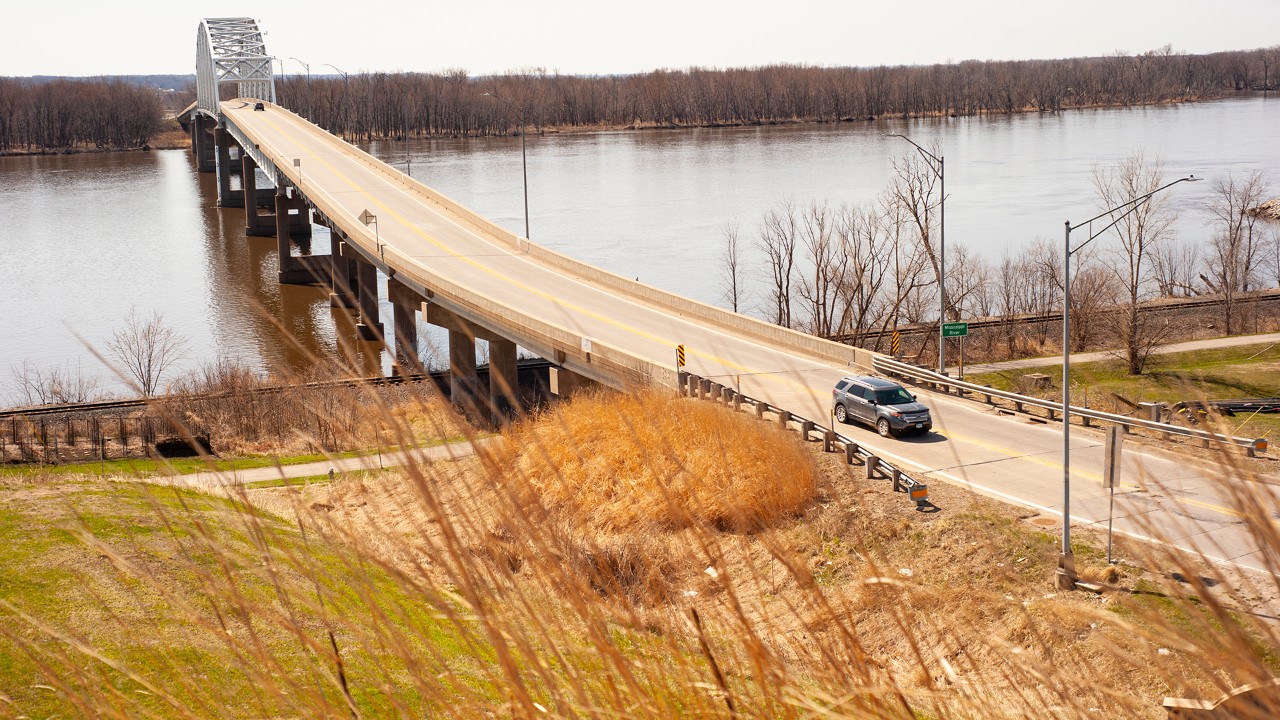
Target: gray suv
[884,404]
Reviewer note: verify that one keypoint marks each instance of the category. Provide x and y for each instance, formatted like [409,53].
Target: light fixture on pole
[308,69]
[346,90]
[524,165]
[369,218]
[1066,560]
[938,166]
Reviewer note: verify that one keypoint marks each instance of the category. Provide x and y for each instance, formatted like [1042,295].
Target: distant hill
[161,82]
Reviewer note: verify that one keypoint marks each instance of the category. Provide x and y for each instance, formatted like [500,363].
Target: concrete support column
[288,265]
[503,382]
[227,197]
[464,383]
[370,325]
[342,274]
[202,144]
[255,225]
[293,222]
[404,311]
[567,382]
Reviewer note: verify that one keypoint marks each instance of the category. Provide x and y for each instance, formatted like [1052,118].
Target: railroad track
[438,376]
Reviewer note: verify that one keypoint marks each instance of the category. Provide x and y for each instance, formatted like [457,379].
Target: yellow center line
[448,250]
[771,377]
[1083,474]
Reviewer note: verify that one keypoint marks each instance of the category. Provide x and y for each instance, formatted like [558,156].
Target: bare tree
[1139,230]
[778,239]
[914,190]
[144,349]
[1175,266]
[53,386]
[867,258]
[731,267]
[1234,256]
[827,264]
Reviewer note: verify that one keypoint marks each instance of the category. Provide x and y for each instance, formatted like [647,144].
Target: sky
[82,37]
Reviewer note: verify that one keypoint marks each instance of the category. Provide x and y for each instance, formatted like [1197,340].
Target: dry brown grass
[642,556]
[630,462]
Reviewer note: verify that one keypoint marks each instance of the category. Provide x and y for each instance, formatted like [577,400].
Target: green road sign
[960,329]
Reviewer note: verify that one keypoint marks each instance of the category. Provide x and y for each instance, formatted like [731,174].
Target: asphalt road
[1171,499]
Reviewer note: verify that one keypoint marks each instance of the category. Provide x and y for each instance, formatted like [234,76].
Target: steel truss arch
[231,50]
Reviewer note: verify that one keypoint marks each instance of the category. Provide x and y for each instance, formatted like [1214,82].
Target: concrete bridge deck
[480,280]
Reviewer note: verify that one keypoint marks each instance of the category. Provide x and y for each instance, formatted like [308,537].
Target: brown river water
[86,238]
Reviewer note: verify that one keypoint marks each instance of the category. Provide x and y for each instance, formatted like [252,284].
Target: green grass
[1244,371]
[173,565]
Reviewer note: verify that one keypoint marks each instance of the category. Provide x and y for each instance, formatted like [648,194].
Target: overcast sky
[82,37]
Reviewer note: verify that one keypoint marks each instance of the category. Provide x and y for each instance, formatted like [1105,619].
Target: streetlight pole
[524,164]
[1066,560]
[938,166]
[346,89]
[308,69]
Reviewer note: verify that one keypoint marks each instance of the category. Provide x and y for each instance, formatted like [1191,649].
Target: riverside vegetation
[630,555]
[53,115]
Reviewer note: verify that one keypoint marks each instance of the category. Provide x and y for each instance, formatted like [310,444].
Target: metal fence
[1088,416]
[691,385]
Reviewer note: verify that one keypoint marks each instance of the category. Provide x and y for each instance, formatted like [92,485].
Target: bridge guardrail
[691,385]
[903,370]
[827,350]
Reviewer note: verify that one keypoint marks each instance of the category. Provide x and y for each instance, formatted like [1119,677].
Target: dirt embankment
[1269,210]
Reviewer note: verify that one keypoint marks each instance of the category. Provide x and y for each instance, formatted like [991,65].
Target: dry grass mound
[623,462]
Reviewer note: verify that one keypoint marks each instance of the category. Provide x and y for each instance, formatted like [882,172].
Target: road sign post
[1111,453]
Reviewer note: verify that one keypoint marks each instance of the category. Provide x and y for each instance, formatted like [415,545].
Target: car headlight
[896,414]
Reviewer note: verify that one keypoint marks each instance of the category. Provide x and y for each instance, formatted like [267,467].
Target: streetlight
[524,165]
[308,69]
[1066,561]
[938,167]
[346,118]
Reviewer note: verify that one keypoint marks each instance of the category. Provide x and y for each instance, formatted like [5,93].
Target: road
[994,454]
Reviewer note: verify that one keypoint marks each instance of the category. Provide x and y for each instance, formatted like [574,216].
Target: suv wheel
[842,415]
[882,427]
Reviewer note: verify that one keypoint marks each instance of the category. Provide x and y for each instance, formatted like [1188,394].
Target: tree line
[49,115]
[54,115]
[453,103]
[857,272]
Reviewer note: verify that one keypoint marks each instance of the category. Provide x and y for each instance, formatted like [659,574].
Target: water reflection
[84,238]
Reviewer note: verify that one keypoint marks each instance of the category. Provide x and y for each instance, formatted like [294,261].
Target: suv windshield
[893,396]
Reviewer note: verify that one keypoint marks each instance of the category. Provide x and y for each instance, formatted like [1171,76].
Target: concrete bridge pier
[504,383]
[342,274]
[499,404]
[293,221]
[404,311]
[223,143]
[256,224]
[565,383]
[202,143]
[361,277]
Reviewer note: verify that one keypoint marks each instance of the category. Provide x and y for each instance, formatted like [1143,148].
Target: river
[85,239]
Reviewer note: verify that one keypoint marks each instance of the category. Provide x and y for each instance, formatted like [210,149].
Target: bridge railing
[920,376]
[826,350]
[690,385]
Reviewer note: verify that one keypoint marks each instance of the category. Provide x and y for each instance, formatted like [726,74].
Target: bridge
[459,271]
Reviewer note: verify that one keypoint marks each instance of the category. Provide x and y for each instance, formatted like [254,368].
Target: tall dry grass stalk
[623,555]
